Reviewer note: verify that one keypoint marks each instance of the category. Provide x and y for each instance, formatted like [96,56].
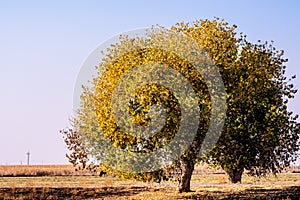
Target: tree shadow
[291,193]
[68,192]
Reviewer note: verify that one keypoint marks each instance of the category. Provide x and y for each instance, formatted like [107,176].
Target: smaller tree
[260,134]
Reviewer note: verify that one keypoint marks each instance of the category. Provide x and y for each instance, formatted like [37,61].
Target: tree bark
[187,168]
[235,175]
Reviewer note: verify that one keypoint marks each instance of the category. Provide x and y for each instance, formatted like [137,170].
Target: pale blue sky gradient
[44,43]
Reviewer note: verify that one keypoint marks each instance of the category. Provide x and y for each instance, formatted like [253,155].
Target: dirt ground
[205,185]
[291,193]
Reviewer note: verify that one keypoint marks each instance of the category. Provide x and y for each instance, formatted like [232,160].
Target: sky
[43,45]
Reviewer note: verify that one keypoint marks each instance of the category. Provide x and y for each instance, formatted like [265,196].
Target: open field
[206,186]
[40,170]
[68,170]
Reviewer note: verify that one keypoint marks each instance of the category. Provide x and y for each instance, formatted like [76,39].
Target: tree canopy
[259,133]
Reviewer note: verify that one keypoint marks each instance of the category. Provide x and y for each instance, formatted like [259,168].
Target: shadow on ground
[288,193]
[68,192]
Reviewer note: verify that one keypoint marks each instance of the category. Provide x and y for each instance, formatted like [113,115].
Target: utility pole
[28,154]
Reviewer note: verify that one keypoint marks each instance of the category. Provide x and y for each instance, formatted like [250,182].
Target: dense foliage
[259,133]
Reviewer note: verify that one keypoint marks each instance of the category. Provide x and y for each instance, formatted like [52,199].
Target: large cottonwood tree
[259,133]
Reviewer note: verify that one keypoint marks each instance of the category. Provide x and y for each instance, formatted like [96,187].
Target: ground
[63,183]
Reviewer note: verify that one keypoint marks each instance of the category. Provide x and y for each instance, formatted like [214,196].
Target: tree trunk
[187,168]
[235,175]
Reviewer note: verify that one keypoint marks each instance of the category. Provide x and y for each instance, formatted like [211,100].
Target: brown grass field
[40,170]
[63,182]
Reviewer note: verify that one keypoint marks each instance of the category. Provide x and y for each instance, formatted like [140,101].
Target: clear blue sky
[44,43]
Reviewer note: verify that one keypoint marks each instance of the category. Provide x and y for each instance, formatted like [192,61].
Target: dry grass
[40,170]
[63,182]
[68,170]
[206,169]
[204,180]
[213,186]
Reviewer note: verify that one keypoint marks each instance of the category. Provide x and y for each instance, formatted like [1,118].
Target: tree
[260,134]
[257,94]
